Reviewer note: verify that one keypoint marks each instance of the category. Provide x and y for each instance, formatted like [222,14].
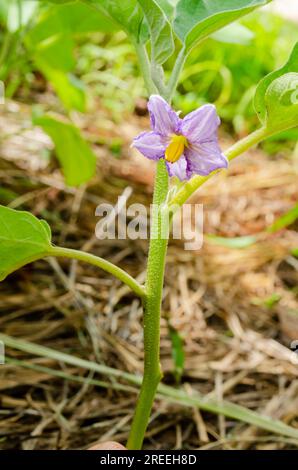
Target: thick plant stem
[152,305]
[100,263]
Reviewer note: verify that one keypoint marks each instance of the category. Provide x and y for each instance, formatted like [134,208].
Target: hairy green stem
[145,68]
[152,306]
[157,75]
[248,142]
[100,263]
[155,278]
[174,78]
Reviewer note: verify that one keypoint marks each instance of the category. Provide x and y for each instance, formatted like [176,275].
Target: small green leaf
[23,239]
[281,101]
[197,19]
[260,97]
[285,220]
[74,154]
[162,43]
[236,242]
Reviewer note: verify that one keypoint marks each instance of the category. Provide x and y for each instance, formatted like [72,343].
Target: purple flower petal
[204,158]
[151,145]
[163,119]
[200,125]
[178,168]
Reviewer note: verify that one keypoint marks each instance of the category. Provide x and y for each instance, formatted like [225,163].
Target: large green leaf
[162,43]
[23,239]
[195,20]
[74,154]
[126,13]
[284,89]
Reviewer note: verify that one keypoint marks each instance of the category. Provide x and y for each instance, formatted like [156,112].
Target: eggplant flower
[189,146]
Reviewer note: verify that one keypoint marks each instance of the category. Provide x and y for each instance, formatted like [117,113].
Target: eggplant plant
[186,151]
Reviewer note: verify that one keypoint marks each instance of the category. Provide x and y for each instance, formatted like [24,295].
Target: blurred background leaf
[234,33]
[234,242]
[74,154]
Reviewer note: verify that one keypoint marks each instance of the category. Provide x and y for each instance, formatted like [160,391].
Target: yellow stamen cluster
[175,148]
